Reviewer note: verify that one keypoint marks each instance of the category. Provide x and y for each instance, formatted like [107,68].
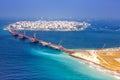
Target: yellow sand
[109,59]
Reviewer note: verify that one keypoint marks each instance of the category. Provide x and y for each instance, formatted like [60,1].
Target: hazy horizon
[60,9]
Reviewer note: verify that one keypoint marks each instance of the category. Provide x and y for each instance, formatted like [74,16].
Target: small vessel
[44,43]
[11,30]
[57,47]
[33,39]
[14,33]
[22,36]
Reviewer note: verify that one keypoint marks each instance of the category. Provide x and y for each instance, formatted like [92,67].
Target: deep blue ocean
[22,60]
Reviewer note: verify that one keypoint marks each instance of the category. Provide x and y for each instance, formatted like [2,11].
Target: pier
[34,39]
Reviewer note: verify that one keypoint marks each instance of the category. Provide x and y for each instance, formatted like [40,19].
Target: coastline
[49,25]
[95,64]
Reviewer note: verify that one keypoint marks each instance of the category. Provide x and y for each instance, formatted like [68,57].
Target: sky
[60,8]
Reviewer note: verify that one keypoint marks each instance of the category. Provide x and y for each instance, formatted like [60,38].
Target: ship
[15,33]
[22,36]
[44,43]
[11,30]
[56,47]
[33,39]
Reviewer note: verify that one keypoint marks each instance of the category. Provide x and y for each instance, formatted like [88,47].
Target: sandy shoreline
[94,59]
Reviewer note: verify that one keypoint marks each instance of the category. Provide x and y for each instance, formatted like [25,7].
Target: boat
[33,39]
[57,47]
[22,36]
[14,33]
[11,30]
[44,43]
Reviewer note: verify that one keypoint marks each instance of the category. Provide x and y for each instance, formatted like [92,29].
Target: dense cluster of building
[50,25]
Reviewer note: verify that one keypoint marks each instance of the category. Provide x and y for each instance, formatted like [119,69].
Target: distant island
[49,25]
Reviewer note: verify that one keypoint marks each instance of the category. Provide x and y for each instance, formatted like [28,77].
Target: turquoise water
[22,60]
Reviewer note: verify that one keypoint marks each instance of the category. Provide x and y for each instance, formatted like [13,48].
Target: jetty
[34,39]
[22,36]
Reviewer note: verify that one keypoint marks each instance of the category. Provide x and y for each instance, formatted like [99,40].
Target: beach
[105,60]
